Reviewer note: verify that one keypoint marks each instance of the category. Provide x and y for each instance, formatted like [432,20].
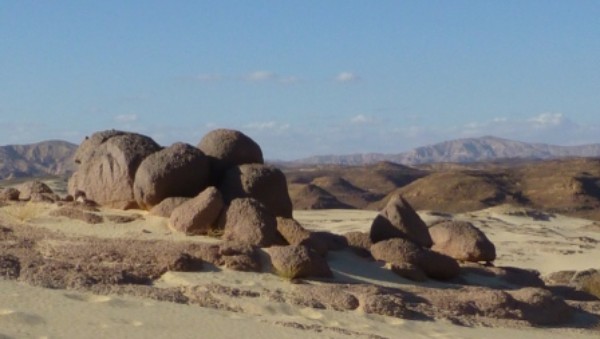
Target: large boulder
[409,260]
[397,251]
[180,170]
[462,241]
[247,221]
[297,262]
[31,188]
[360,243]
[198,215]
[399,220]
[108,162]
[227,148]
[264,183]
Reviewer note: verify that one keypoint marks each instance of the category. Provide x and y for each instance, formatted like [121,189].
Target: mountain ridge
[465,150]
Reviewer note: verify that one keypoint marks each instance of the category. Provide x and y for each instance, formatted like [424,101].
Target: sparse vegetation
[22,212]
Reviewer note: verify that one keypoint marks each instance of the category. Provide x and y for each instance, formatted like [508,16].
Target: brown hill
[312,197]
[39,159]
[567,186]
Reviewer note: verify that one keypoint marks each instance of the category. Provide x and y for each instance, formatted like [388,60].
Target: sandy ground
[524,239]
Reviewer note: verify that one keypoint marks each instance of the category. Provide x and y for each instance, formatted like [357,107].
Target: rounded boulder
[462,241]
[198,215]
[108,162]
[227,148]
[180,170]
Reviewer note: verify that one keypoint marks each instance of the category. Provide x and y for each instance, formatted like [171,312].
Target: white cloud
[126,118]
[346,77]
[288,80]
[547,120]
[361,119]
[259,76]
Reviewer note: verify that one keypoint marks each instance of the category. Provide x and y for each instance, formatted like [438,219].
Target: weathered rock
[264,183]
[32,187]
[438,266]
[360,243]
[297,262]
[247,221]
[166,207]
[44,197]
[9,194]
[541,307]
[240,257]
[386,304]
[180,170]
[332,296]
[294,234]
[397,251]
[399,220]
[227,148]
[108,163]
[462,241]
[198,215]
[587,281]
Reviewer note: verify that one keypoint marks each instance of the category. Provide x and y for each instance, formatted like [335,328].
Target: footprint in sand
[11,316]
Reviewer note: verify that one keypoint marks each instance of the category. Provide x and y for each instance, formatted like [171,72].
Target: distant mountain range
[469,150]
[54,157]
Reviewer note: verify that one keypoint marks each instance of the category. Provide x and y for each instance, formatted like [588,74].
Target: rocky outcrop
[399,220]
[180,170]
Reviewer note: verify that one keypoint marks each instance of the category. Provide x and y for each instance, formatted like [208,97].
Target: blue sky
[302,77]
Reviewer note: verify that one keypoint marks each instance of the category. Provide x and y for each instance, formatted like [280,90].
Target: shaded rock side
[399,220]
[264,183]
[198,215]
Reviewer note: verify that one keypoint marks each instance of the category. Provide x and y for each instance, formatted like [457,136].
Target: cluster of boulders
[222,187]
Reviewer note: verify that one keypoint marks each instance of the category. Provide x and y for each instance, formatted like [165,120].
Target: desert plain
[231,304]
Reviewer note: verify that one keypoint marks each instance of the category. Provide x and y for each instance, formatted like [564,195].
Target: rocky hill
[566,186]
[464,151]
[52,157]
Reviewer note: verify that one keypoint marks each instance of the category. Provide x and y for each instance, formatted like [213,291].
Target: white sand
[31,312]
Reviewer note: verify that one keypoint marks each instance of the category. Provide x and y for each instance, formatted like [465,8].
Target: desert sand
[523,238]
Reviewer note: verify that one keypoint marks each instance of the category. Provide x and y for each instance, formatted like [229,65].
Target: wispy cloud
[545,120]
[345,77]
[126,118]
[361,119]
[260,76]
[268,126]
